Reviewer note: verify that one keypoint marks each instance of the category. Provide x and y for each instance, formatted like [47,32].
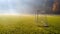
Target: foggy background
[25,6]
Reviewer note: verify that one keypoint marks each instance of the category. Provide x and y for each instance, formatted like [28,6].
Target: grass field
[27,25]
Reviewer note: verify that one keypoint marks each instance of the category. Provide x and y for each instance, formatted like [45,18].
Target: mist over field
[28,17]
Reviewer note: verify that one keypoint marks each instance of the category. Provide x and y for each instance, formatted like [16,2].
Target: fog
[20,6]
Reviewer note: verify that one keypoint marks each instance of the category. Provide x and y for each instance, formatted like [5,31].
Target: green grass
[28,25]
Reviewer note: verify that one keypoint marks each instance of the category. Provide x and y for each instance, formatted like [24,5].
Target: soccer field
[27,25]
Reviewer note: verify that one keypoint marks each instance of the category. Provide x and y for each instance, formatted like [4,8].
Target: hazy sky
[19,6]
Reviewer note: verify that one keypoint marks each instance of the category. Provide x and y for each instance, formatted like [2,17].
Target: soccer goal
[41,18]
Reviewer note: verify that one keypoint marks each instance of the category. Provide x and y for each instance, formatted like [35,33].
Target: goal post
[41,18]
